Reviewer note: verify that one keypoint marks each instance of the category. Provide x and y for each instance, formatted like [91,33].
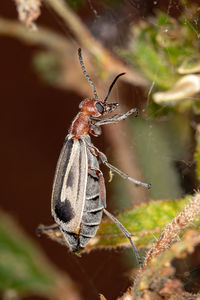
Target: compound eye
[100,108]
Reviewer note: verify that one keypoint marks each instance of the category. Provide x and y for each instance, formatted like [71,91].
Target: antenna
[86,74]
[111,86]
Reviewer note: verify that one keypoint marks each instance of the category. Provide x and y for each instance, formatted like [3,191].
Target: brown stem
[171,231]
[105,59]
[42,36]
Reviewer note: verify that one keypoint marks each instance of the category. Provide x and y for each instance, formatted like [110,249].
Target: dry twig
[28,11]
[171,231]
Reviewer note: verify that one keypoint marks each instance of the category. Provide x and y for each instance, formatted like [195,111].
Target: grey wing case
[69,188]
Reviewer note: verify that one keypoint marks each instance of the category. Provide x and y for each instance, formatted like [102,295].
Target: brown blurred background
[35,118]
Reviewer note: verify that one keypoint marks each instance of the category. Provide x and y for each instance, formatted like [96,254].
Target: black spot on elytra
[64,211]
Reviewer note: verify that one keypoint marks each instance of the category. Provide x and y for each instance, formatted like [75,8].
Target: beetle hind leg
[127,234]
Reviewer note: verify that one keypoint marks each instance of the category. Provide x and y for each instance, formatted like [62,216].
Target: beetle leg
[102,191]
[95,130]
[116,118]
[52,231]
[125,176]
[126,233]
[104,160]
[42,228]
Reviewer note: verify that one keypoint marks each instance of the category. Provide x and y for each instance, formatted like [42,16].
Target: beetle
[78,195]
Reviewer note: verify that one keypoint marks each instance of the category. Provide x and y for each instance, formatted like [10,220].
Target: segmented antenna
[86,74]
[111,86]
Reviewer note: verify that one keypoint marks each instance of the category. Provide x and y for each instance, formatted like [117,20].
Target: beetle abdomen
[91,218]
[92,213]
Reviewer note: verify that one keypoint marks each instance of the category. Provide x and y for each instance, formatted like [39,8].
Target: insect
[79,196]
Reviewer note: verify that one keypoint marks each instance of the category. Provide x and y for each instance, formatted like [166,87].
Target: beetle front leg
[115,118]
[95,130]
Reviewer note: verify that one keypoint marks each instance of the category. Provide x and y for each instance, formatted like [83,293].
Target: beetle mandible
[79,196]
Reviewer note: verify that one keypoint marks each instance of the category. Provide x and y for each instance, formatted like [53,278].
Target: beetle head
[104,108]
[97,108]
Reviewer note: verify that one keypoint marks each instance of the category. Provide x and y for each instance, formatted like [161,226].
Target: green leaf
[158,48]
[153,65]
[145,222]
